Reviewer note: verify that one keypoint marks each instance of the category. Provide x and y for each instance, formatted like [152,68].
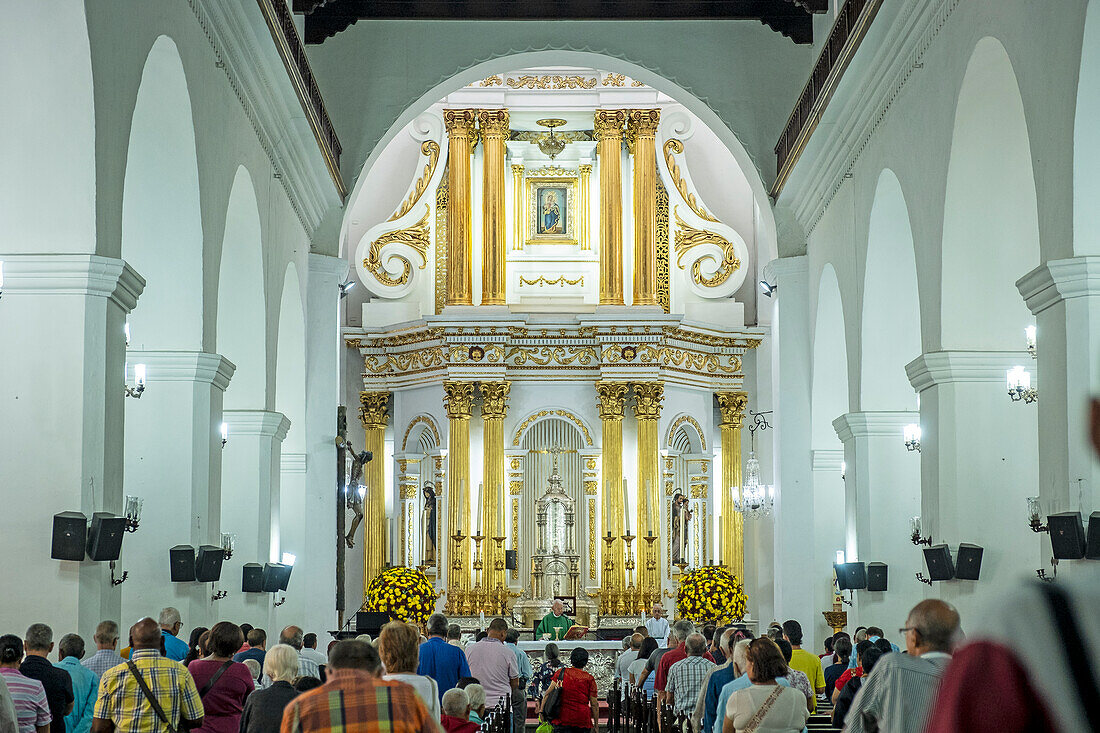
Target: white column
[316,572]
[1064,295]
[979,461]
[882,491]
[174,463]
[61,394]
[795,573]
[251,467]
[829,531]
[295,526]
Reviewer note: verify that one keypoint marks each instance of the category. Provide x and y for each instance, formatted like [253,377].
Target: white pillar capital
[785,266]
[944,367]
[293,463]
[263,423]
[184,366]
[1057,280]
[828,459]
[335,268]
[883,424]
[72,274]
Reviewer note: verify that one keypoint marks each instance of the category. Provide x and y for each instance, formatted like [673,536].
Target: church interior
[546,307]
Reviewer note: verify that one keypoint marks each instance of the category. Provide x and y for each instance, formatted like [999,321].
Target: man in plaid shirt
[355,699]
[686,677]
[123,707]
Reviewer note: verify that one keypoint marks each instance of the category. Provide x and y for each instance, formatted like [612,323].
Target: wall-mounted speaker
[105,536]
[182,558]
[968,562]
[511,561]
[252,578]
[276,577]
[938,560]
[208,564]
[851,575]
[1067,535]
[1092,543]
[70,536]
[877,575]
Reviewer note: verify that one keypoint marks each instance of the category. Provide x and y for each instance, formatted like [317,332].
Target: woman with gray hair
[476,693]
[263,710]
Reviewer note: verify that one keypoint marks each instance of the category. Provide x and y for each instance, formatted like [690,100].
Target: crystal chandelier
[756,499]
[550,144]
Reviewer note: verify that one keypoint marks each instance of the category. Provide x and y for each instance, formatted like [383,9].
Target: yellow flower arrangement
[711,594]
[404,593]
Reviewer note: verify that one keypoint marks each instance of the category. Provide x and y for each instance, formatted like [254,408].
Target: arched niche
[830,365]
[1086,143]
[290,368]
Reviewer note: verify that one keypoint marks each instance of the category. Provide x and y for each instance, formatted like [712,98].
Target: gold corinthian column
[458,398]
[373,414]
[494,408]
[647,410]
[642,125]
[494,236]
[461,132]
[608,127]
[612,396]
[732,405]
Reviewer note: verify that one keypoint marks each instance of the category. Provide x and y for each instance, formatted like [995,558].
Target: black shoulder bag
[150,697]
[217,675]
[551,704]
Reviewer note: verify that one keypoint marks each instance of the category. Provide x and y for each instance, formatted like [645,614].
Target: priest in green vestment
[554,624]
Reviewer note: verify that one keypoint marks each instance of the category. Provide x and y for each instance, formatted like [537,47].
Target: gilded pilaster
[612,396]
[585,170]
[458,398]
[494,409]
[648,397]
[461,133]
[733,406]
[608,128]
[373,413]
[519,233]
[642,124]
[494,131]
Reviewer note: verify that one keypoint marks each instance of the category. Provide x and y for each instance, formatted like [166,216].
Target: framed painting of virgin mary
[552,212]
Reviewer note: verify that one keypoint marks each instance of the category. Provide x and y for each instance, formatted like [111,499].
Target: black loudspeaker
[276,577]
[370,622]
[968,562]
[105,536]
[1067,535]
[70,535]
[511,562]
[1092,545]
[183,563]
[252,578]
[938,560]
[876,576]
[851,575]
[208,564]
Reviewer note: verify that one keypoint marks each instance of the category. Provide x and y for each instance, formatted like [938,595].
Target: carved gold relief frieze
[591,487]
[492,81]
[515,488]
[552,171]
[614,80]
[550,81]
[698,491]
[415,236]
[592,556]
[688,237]
[663,293]
[441,200]
[560,280]
[546,355]
[515,535]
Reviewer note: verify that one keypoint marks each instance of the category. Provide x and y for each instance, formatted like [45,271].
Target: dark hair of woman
[193,652]
[225,639]
[463,682]
[553,655]
[843,648]
[11,649]
[785,649]
[306,683]
[883,645]
[578,657]
[870,659]
[765,661]
[649,645]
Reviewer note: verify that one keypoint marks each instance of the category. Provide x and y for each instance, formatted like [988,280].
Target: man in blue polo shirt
[443,662]
[170,625]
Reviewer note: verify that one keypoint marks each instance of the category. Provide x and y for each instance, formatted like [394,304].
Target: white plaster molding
[782,266]
[184,366]
[325,266]
[292,463]
[945,367]
[828,460]
[73,274]
[872,424]
[1059,280]
[264,423]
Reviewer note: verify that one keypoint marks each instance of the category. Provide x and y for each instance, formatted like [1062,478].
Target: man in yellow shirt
[804,661]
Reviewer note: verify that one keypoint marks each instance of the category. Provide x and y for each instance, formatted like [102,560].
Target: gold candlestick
[456,598]
[653,594]
[477,600]
[630,594]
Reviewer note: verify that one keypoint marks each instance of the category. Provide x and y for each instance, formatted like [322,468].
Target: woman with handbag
[223,684]
[571,703]
[765,707]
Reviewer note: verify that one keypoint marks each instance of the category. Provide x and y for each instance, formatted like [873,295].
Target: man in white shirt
[657,624]
[309,650]
[626,659]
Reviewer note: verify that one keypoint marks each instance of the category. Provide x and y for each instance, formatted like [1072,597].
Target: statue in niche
[430,526]
[681,515]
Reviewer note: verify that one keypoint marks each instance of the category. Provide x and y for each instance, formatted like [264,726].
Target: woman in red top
[224,699]
[580,710]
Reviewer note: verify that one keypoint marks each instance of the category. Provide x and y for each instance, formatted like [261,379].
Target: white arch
[830,366]
[890,328]
[1086,144]
[242,318]
[990,223]
[290,366]
[161,220]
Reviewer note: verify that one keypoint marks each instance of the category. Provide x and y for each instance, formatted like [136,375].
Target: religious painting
[551,214]
[429,527]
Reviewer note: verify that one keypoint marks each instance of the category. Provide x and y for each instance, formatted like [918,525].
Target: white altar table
[601,657]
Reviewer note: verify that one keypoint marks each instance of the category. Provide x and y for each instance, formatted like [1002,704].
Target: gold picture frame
[551,210]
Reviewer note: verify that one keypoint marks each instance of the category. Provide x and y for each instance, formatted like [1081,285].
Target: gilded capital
[612,397]
[458,397]
[517,169]
[373,409]
[494,122]
[495,399]
[643,122]
[607,124]
[460,123]
[733,406]
[647,400]
[585,169]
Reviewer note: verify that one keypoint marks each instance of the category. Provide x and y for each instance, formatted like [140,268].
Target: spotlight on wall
[1032,344]
[1019,386]
[133,506]
[225,433]
[912,433]
[139,381]
[229,543]
[288,559]
[768,289]
[914,533]
[346,287]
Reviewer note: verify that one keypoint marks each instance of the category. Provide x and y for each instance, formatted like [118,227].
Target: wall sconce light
[225,433]
[120,579]
[346,287]
[133,506]
[1019,386]
[139,381]
[279,602]
[229,543]
[921,578]
[914,533]
[1035,515]
[768,289]
[218,595]
[912,433]
[1032,344]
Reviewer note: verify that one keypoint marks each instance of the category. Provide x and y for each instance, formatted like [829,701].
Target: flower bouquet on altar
[710,594]
[404,593]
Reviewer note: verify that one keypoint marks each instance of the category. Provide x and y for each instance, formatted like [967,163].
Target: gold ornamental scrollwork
[421,420]
[515,488]
[546,355]
[674,147]
[682,419]
[429,148]
[556,413]
[732,406]
[415,236]
[373,411]
[592,556]
[492,81]
[688,237]
[561,280]
[550,81]
[614,80]
[611,398]
[458,398]
[552,171]
[591,488]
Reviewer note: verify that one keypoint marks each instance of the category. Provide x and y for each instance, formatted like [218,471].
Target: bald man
[900,690]
[555,624]
[123,704]
[293,636]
